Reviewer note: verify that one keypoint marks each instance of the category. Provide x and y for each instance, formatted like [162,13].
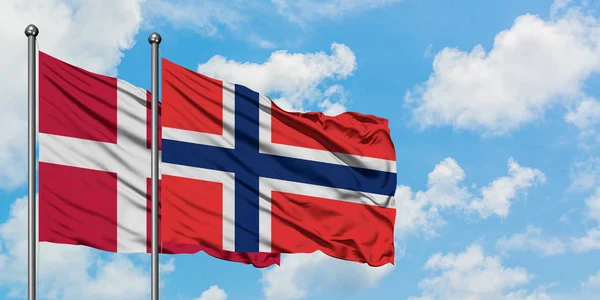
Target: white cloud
[588,290]
[65,271]
[593,205]
[335,98]
[496,196]
[245,18]
[532,66]
[73,31]
[533,240]
[415,214]
[472,275]
[204,16]
[300,87]
[310,10]
[168,267]
[213,293]
[524,295]
[589,242]
[585,175]
[262,43]
[559,6]
[586,115]
[428,50]
[443,185]
[332,109]
[117,278]
[301,274]
[212,18]
[420,211]
[332,102]
[592,283]
[286,105]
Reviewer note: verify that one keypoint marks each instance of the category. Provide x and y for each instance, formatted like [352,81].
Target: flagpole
[31,32]
[154,39]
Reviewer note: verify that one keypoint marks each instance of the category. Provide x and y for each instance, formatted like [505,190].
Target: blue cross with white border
[249,164]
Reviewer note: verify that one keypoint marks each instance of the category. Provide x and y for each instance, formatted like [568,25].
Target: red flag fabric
[241,174]
[94,165]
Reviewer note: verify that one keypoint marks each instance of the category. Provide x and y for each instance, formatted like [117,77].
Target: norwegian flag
[95,163]
[240,174]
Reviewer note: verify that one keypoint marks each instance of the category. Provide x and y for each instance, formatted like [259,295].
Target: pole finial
[31,30]
[154,38]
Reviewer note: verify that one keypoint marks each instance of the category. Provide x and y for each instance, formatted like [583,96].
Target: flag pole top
[32,30]
[154,38]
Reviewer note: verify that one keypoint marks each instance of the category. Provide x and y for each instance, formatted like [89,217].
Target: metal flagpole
[154,39]
[31,32]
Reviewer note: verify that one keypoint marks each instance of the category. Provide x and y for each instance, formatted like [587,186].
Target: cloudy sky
[494,111]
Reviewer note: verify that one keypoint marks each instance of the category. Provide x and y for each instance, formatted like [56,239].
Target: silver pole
[154,39]
[31,32]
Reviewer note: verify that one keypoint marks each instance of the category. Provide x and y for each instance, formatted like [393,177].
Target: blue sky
[493,108]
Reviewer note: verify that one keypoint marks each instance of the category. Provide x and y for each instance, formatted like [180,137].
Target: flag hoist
[31,32]
[154,39]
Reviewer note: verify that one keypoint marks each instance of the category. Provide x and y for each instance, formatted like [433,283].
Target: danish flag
[240,174]
[95,163]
